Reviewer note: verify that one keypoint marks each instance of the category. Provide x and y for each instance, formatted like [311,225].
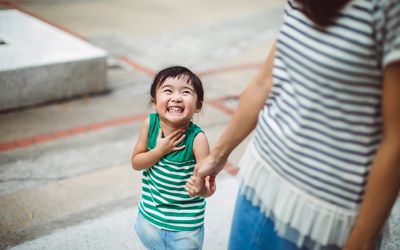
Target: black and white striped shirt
[322,123]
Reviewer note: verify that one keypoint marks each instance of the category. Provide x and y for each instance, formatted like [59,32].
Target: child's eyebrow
[166,85]
[188,87]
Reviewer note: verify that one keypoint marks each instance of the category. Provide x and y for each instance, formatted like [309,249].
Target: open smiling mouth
[175,110]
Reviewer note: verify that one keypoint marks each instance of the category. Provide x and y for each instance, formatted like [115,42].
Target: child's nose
[177,97]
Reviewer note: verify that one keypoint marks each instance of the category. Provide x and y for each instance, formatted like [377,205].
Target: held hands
[169,143]
[206,190]
[207,168]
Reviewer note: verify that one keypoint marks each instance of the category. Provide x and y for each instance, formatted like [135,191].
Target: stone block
[40,63]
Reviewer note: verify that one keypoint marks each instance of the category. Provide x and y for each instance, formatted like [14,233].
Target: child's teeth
[175,109]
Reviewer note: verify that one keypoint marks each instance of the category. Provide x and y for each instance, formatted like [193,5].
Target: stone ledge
[39,63]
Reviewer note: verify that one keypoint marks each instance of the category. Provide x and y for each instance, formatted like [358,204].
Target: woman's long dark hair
[322,12]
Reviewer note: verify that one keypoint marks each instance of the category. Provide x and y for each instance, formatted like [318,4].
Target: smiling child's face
[176,101]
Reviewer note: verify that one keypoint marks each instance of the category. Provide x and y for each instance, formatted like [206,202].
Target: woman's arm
[384,179]
[242,123]
[143,159]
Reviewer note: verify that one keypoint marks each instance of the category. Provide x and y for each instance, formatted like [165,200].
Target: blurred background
[74,83]
[74,90]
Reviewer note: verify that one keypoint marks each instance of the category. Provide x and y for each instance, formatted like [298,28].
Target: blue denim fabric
[251,229]
[154,238]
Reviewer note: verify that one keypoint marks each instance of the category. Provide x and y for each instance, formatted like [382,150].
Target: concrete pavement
[114,230]
[65,179]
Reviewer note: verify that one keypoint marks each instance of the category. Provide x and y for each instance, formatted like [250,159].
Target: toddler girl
[168,147]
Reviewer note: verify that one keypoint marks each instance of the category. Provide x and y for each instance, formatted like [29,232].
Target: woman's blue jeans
[251,229]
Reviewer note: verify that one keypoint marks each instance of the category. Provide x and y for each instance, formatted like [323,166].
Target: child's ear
[153,102]
[198,108]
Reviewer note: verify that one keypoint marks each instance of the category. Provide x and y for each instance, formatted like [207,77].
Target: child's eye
[168,91]
[187,92]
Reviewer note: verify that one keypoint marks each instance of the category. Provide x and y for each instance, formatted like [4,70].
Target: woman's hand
[169,143]
[359,242]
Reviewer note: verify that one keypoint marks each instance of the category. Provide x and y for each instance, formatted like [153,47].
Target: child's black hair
[178,71]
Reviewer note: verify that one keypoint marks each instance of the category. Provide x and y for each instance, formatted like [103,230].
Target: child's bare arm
[201,150]
[143,159]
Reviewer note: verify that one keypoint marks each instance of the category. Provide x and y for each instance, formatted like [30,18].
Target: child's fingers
[174,134]
[190,189]
[192,181]
[180,139]
[191,194]
[189,186]
[196,187]
[178,148]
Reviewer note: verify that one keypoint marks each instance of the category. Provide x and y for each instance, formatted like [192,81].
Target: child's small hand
[209,187]
[169,143]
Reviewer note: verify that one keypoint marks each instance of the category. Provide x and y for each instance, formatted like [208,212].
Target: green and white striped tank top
[164,201]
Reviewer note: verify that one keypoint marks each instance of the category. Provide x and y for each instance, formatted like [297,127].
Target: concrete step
[41,63]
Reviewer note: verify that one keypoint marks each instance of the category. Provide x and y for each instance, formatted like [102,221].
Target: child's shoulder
[198,134]
[200,137]
[152,119]
[194,128]
[200,146]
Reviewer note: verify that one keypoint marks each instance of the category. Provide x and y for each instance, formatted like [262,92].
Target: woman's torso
[322,123]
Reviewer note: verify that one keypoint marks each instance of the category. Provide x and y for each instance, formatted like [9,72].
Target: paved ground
[65,179]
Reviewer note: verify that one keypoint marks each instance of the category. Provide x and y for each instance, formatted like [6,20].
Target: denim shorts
[154,238]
